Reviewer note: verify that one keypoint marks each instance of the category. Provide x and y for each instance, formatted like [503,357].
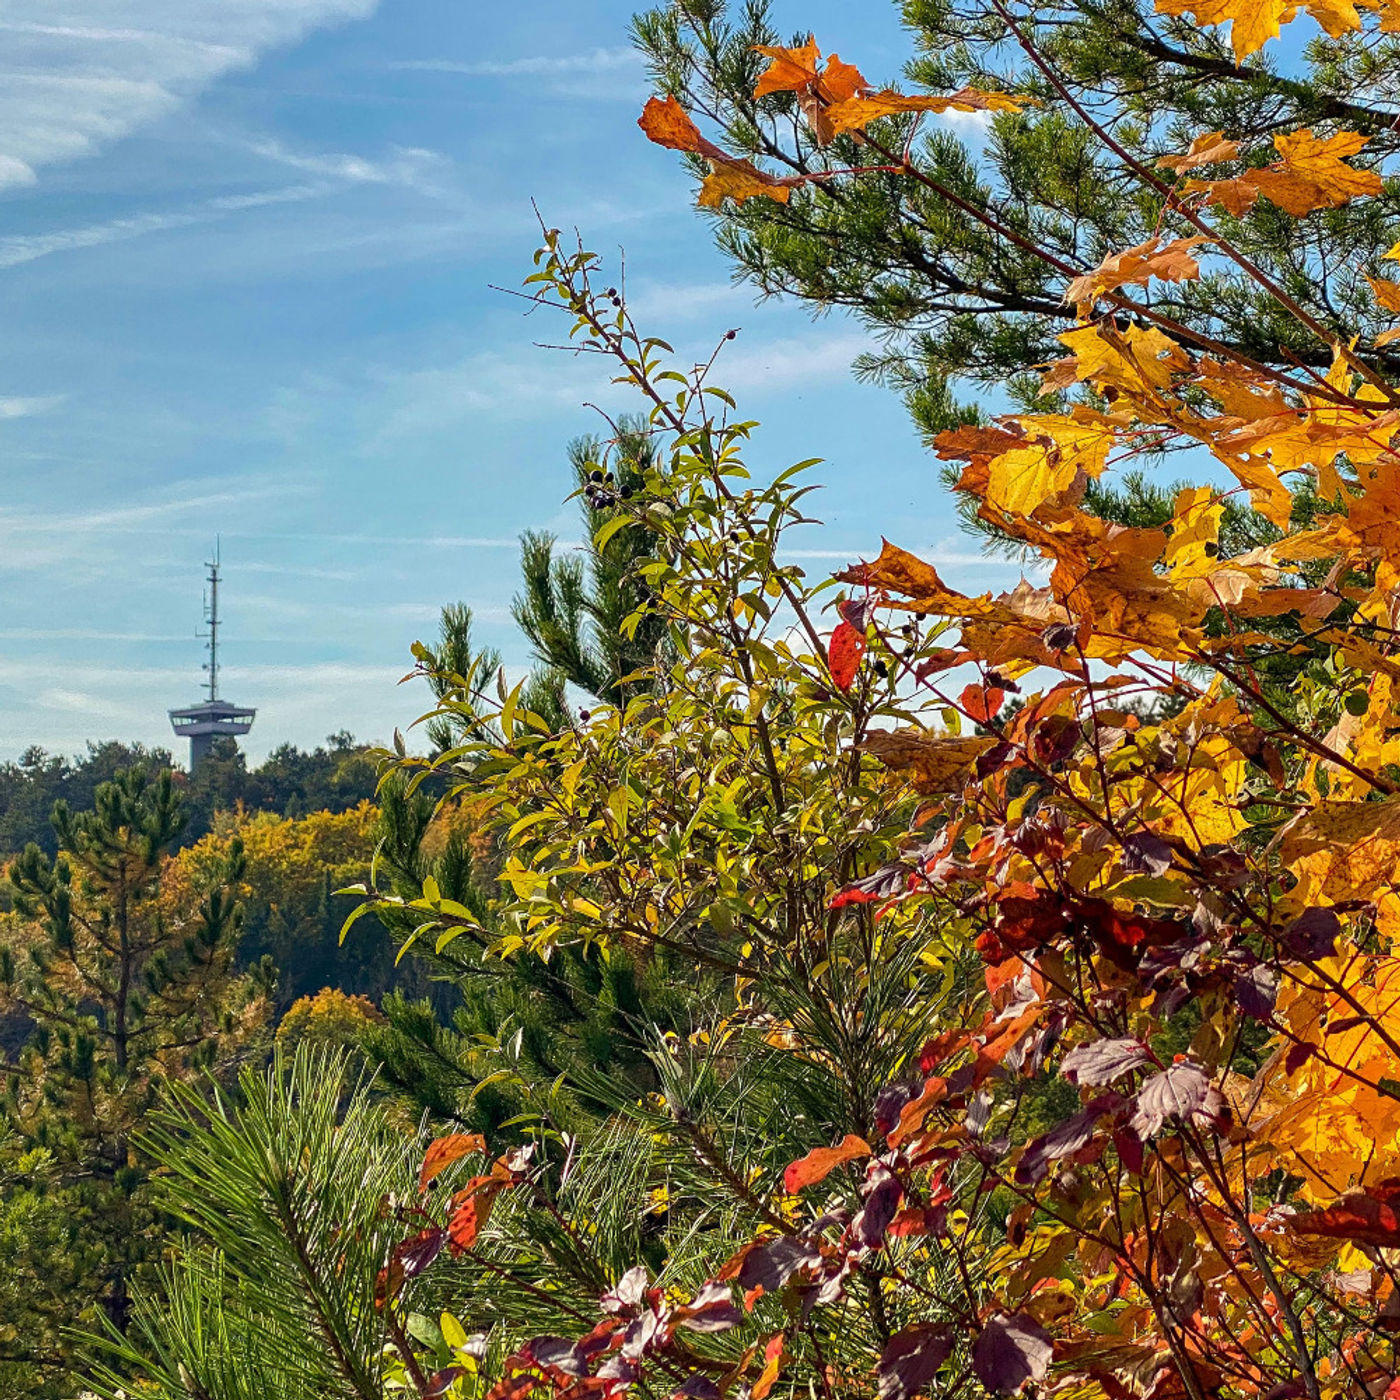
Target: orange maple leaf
[1168,262]
[856,113]
[668,124]
[1311,173]
[1211,148]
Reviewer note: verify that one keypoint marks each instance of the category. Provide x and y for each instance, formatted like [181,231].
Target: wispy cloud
[27,248]
[533,66]
[411,167]
[73,87]
[20,407]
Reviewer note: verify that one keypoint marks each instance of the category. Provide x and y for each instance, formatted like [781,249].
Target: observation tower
[212,718]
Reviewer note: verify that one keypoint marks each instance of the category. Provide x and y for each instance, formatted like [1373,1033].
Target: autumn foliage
[1100,874]
[1178,874]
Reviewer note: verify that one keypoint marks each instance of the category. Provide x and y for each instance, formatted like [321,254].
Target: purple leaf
[890,1101]
[881,1202]
[440,1382]
[1147,853]
[911,1359]
[1011,1351]
[1182,1092]
[711,1310]
[641,1335]
[418,1251]
[698,1388]
[1256,991]
[1063,1140]
[771,1265]
[558,1352]
[1103,1061]
[627,1292]
[1312,935]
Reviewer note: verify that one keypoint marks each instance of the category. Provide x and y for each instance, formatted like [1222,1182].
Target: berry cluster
[601,490]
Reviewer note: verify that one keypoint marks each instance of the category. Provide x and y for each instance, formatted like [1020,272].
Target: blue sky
[246,251]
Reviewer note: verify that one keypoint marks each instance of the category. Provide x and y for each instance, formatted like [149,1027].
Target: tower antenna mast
[211,619]
[212,718]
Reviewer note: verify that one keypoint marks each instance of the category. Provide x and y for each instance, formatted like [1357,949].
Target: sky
[247,251]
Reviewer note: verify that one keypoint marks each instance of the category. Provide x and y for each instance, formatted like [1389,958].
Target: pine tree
[504,1034]
[950,270]
[583,611]
[126,988]
[575,609]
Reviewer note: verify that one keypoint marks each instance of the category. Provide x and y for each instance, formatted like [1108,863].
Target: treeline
[291,782]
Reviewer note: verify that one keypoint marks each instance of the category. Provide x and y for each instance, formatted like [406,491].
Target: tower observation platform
[212,718]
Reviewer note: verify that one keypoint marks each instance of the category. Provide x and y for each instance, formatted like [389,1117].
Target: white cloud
[71,82]
[792,362]
[409,166]
[18,407]
[25,248]
[533,66]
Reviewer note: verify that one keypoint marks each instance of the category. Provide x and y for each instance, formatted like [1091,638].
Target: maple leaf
[1168,262]
[1211,148]
[1311,173]
[668,124]
[1052,462]
[1254,22]
[1131,359]
[1366,1216]
[793,70]
[1387,294]
[856,113]
[1345,852]
[740,180]
[817,89]
[939,763]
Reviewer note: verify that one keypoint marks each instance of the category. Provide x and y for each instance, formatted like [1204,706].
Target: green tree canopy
[959,272]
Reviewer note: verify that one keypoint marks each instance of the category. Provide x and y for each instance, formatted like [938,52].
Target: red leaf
[446,1150]
[843,653]
[1367,1216]
[820,1162]
[981,702]
[912,1115]
[471,1209]
[772,1364]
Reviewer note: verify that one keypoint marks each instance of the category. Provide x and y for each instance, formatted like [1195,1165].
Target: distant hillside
[291,782]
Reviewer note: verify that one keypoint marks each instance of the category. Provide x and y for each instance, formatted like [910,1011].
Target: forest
[802,984]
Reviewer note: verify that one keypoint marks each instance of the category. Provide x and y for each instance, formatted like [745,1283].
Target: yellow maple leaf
[1254,22]
[1337,1129]
[740,180]
[1059,454]
[1128,359]
[855,113]
[1342,852]
[1193,549]
[1387,293]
